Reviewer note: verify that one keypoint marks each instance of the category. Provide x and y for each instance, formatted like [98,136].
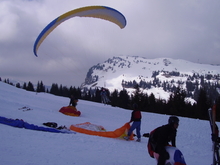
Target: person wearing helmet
[161,137]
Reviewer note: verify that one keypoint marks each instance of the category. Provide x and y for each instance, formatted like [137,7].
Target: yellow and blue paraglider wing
[101,12]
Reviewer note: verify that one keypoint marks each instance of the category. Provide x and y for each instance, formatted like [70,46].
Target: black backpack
[51,124]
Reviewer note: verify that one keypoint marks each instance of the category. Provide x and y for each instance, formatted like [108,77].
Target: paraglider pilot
[160,138]
[73,101]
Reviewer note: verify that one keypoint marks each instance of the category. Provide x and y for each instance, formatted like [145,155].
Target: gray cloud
[186,29]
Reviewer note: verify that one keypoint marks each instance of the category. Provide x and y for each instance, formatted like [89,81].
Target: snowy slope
[28,147]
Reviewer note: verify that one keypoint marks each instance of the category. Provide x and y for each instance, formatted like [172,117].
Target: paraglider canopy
[101,12]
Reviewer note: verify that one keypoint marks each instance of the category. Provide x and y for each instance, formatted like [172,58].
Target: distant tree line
[205,96]
[193,84]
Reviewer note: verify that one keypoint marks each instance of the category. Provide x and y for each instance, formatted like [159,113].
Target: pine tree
[137,94]
[40,87]
[54,89]
[123,100]
[30,87]
[24,86]
[176,102]
[18,85]
[202,104]
[114,98]
[152,103]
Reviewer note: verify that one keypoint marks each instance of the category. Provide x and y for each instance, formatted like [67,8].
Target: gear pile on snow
[21,124]
[54,125]
[25,109]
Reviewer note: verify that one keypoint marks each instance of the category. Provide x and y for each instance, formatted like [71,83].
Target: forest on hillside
[205,97]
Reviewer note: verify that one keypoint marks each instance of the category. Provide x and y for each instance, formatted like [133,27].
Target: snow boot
[126,138]
[138,140]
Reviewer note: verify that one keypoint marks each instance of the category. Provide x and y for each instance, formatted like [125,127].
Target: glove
[214,137]
[166,155]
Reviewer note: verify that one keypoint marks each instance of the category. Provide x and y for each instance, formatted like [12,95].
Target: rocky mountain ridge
[158,76]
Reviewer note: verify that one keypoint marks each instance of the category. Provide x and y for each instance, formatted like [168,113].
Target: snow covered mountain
[153,75]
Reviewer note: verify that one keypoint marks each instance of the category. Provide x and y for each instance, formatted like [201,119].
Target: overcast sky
[186,29]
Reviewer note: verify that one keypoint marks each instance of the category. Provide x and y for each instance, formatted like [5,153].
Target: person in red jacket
[136,119]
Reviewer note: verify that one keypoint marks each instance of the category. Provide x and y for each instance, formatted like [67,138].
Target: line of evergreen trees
[176,104]
[193,83]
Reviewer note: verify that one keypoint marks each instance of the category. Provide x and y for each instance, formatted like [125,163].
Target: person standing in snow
[160,138]
[104,97]
[136,119]
[73,101]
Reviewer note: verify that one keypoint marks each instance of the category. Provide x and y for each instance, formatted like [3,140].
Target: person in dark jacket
[161,136]
[73,101]
[136,119]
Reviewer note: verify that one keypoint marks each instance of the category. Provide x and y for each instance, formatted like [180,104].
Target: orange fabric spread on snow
[118,133]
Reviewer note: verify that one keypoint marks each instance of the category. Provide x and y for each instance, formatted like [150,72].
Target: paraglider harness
[151,145]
